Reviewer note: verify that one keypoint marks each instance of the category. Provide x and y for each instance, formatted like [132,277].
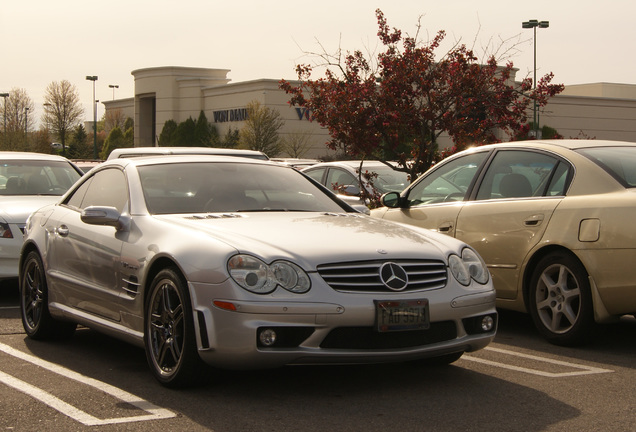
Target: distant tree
[260,131]
[184,135]
[296,144]
[167,136]
[396,106]
[230,140]
[116,139]
[205,133]
[114,118]
[78,147]
[62,109]
[129,123]
[18,107]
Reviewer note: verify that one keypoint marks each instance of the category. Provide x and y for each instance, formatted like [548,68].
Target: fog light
[267,337]
[487,323]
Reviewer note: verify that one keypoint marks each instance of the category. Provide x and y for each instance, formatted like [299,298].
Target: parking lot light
[533,24]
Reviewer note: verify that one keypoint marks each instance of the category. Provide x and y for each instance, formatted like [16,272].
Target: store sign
[232,115]
[304,113]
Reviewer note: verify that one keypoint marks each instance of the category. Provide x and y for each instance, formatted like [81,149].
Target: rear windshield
[619,162]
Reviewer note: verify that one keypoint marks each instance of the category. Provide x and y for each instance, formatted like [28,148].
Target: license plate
[399,315]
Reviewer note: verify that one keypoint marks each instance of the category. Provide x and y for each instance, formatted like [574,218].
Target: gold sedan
[554,221]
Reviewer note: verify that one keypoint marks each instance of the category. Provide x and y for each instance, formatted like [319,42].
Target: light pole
[5,96]
[113,86]
[94,78]
[533,24]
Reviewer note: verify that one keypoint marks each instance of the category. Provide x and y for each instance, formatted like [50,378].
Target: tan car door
[437,198]
[510,212]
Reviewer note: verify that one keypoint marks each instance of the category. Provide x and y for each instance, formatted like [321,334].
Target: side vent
[131,286]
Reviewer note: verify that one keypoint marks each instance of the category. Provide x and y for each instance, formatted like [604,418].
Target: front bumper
[319,330]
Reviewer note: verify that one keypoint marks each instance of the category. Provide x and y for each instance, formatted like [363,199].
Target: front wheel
[560,300]
[169,331]
[34,307]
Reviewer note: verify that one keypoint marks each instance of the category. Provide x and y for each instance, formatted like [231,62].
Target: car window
[316,174]
[106,188]
[204,187]
[521,174]
[619,162]
[449,182]
[36,177]
[337,179]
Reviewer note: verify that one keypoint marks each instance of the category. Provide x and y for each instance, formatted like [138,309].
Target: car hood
[16,209]
[314,238]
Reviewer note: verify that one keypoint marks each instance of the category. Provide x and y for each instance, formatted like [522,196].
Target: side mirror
[350,190]
[109,216]
[391,200]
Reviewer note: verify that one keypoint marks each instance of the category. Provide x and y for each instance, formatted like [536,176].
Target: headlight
[5,230]
[469,266]
[258,277]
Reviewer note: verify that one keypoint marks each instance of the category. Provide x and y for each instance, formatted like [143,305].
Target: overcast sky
[45,41]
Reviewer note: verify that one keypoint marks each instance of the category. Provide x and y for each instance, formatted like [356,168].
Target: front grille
[364,276]
[368,338]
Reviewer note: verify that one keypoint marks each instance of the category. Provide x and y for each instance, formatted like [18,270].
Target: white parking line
[154,412]
[581,369]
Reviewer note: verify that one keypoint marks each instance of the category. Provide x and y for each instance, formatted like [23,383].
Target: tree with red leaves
[396,108]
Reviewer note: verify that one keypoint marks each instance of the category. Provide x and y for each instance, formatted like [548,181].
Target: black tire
[169,336]
[560,300]
[34,307]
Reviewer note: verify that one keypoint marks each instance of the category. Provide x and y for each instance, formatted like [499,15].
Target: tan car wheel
[560,300]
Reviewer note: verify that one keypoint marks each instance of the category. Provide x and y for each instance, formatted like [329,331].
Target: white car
[240,263]
[28,182]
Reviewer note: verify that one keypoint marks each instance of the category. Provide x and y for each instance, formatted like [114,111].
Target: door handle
[534,220]
[62,231]
[445,228]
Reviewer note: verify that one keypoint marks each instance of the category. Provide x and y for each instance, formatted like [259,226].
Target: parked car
[28,181]
[552,219]
[242,264]
[129,152]
[343,178]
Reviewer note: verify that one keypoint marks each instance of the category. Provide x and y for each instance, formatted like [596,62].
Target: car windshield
[619,162]
[36,177]
[212,187]
[388,179]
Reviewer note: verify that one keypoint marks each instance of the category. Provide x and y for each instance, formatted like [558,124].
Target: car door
[436,199]
[85,259]
[509,211]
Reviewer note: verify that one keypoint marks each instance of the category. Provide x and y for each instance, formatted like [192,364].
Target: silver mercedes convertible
[242,264]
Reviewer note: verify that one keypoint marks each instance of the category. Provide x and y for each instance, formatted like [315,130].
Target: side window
[75,200]
[316,174]
[449,182]
[337,179]
[521,174]
[106,188]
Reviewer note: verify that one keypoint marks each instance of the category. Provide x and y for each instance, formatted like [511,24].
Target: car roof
[354,164]
[11,155]
[184,158]
[570,144]
[130,152]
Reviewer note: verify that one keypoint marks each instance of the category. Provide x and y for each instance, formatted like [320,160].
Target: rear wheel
[34,307]
[169,331]
[560,300]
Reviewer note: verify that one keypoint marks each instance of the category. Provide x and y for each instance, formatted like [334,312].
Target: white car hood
[16,209]
[314,238]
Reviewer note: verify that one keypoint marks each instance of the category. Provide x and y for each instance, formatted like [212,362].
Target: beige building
[602,111]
